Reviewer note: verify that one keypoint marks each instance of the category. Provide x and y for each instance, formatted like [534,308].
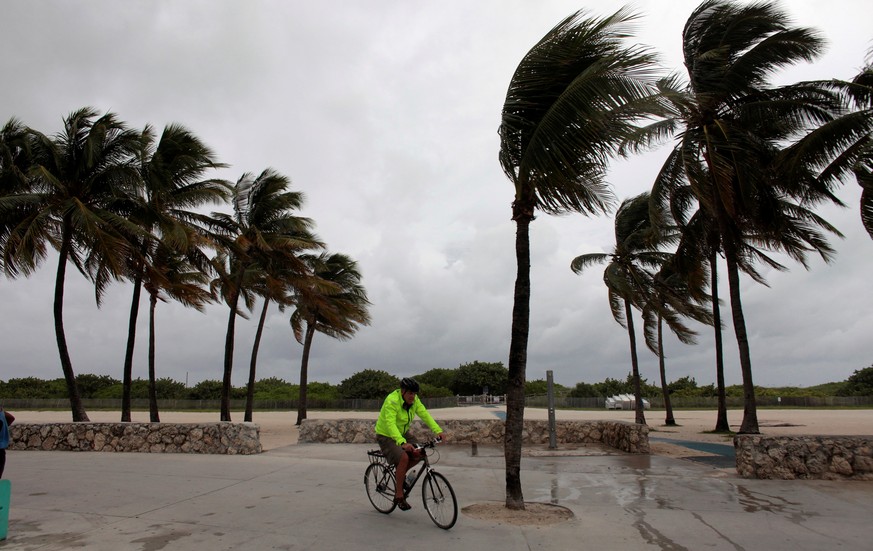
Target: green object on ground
[5,495]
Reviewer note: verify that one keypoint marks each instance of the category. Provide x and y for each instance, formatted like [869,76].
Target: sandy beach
[277,428]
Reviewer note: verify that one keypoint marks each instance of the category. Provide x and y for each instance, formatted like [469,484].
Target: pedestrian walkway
[312,497]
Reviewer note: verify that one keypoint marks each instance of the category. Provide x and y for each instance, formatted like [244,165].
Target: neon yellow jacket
[394,420]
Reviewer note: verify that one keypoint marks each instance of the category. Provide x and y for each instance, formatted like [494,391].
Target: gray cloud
[385,114]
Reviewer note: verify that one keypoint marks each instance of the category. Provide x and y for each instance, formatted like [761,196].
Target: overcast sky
[385,114]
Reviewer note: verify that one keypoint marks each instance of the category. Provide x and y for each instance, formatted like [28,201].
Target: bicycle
[437,494]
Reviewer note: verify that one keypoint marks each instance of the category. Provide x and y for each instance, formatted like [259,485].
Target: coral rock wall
[217,438]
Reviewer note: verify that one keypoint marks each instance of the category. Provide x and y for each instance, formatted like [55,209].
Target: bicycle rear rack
[376,456]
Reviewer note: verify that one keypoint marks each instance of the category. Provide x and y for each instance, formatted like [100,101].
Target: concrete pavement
[312,497]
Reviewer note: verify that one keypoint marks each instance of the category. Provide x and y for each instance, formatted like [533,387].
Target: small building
[624,401]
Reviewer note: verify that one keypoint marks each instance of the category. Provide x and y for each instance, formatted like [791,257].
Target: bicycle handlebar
[428,444]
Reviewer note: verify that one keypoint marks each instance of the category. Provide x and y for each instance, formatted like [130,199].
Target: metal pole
[553,440]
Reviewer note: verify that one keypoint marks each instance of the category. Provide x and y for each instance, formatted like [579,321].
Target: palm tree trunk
[304,371]
[750,408]
[635,365]
[721,421]
[78,409]
[727,233]
[670,420]
[518,358]
[228,351]
[154,417]
[128,353]
[253,365]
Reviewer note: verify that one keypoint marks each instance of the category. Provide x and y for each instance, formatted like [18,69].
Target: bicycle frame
[422,448]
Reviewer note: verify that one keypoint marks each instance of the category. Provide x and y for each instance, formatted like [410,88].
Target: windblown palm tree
[861,94]
[696,254]
[274,281]
[572,100]
[332,302]
[262,231]
[170,272]
[79,182]
[754,155]
[271,289]
[172,171]
[672,301]
[629,275]
[15,160]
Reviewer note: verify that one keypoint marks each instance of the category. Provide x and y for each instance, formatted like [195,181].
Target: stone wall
[217,438]
[805,457]
[628,437]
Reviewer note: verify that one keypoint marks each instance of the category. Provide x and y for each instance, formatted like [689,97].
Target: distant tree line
[858,384]
[467,379]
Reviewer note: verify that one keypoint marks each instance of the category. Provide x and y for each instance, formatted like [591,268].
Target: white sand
[278,428]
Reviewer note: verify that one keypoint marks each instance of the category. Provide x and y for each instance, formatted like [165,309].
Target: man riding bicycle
[398,411]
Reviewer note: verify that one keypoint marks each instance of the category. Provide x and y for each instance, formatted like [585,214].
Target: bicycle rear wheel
[439,500]
[379,481]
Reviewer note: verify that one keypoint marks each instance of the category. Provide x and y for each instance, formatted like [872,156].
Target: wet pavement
[311,496]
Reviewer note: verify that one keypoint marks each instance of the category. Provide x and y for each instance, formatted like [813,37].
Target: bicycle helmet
[408,383]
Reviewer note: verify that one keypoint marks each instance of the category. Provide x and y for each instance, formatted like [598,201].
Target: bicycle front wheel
[439,500]
[379,481]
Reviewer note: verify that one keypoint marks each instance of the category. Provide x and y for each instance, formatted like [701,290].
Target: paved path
[312,497]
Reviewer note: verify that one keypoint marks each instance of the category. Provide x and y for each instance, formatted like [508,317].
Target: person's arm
[9,417]
[425,416]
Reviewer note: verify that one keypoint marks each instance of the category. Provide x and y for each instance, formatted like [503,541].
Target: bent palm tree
[15,160]
[697,253]
[81,181]
[672,301]
[862,97]
[172,172]
[332,302]
[754,155]
[172,273]
[730,50]
[572,100]
[273,280]
[262,230]
[627,276]
[271,289]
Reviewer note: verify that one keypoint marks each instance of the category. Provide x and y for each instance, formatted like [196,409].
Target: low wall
[804,457]
[214,438]
[627,437]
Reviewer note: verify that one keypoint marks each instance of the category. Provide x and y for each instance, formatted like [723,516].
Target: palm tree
[628,276]
[673,202]
[79,183]
[672,301]
[861,94]
[274,283]
[261,231]
[739,127]
[755,156]
[573,98]
[15,159]
[174,274]
[271,289]
[332,302]
[172,171]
